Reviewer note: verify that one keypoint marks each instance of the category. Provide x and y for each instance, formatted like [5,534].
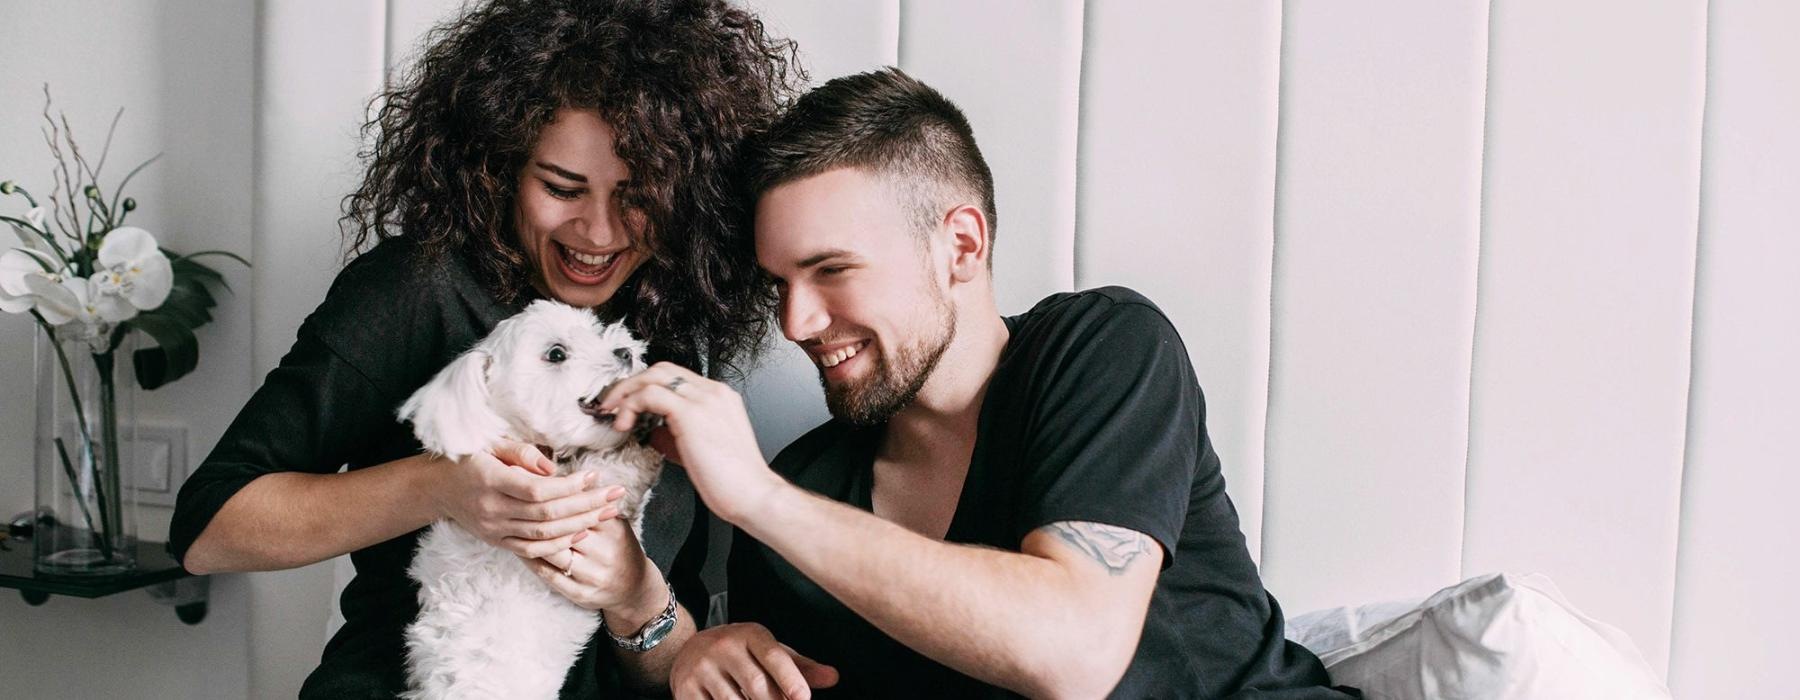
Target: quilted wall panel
[1376,228]
[1586,298]
[1020,96]
[1734,593]
[1176,186]
[1443,269]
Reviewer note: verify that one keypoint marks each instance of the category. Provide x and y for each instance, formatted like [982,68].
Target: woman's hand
[744,660]
[508,499]
[608,571]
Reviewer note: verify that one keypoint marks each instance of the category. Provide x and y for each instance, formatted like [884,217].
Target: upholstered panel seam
[387,44]
[1281,124]
[1481,230]
[1081,120]
[1682,491]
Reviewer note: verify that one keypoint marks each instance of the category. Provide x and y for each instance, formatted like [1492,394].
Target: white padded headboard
[1470,286]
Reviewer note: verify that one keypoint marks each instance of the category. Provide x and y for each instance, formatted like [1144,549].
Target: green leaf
[177,352]
[188,304]
[196,286]
[186,268]
[226,253]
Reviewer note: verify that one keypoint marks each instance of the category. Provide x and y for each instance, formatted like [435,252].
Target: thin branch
[81,164]
[69,184]
[107,147]
[120,193]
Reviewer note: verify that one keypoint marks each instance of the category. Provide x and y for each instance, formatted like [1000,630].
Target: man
[1025,504]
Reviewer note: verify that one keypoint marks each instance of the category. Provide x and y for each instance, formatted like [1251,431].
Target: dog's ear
[451,414]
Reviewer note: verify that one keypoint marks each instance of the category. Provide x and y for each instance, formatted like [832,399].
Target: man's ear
[966,230]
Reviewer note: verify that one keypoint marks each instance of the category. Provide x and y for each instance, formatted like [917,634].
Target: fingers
[723,689]
[519,454]
[650,398]
[648,391]
[564,585]
[659,374]
[583,502]
[607,536]
[813,673]
[533,488]
[533,549]
[562,527]
[601,544]
[755,684]
[563,561]
[780,670]
[741,660]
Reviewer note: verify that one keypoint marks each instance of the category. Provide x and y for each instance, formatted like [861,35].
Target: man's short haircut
[888,123]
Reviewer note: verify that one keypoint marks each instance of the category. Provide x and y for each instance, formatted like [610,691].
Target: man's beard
[892,386]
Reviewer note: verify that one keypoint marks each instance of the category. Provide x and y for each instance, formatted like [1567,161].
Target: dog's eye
[556,354]
[624,355]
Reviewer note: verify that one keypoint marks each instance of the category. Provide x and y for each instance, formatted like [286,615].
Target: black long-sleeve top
[391,320]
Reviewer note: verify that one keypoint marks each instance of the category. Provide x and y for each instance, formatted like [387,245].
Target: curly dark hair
[682,83]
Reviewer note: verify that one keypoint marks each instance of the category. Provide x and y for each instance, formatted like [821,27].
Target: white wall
[1470,286]
[183,73]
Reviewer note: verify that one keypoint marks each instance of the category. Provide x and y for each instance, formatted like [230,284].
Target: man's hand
[745,661]
[508,499]
[708,433]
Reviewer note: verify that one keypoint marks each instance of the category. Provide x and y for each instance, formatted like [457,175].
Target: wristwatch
[651,634]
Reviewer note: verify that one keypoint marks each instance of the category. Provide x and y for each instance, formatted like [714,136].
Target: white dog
[487,626]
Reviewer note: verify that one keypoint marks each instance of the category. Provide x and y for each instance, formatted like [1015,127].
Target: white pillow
[1494,636]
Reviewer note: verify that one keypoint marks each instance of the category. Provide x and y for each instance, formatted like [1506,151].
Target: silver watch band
[651,634]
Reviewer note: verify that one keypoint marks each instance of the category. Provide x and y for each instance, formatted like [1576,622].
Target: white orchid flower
[71,306]
[15,265]
[61,299]
[30,239]
[133,274]
[33,239]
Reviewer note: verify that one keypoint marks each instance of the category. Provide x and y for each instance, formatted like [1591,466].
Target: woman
[566,149]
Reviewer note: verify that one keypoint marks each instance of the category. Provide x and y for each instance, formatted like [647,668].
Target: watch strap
[651,634]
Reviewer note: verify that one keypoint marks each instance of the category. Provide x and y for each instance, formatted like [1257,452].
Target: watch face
[657,631]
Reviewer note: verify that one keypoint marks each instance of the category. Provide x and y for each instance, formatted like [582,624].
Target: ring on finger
[675,384]
[566,570]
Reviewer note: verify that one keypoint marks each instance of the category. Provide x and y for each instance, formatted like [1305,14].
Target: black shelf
[154,567]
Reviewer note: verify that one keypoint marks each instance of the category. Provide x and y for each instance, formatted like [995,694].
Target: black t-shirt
[1092,414]
[391,320]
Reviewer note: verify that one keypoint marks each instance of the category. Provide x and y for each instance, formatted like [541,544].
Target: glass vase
[86,516]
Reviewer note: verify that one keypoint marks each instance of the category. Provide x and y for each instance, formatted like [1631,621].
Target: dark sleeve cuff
[200,499]
[1130,521]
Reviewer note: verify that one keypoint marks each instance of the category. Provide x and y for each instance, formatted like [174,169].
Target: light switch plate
[161,455]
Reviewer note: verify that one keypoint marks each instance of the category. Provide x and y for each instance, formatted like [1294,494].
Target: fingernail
[578,536]
[589,478]
[615,492]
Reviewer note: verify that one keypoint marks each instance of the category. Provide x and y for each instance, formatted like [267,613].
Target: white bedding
[1494,636]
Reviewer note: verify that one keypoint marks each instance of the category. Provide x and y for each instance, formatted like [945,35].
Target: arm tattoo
[1113,547]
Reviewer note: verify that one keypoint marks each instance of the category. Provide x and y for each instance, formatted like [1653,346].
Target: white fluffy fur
[487,626]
